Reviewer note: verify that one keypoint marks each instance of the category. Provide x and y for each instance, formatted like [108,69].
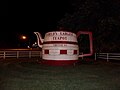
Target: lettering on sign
[59,38]
[60,33]
[51,33]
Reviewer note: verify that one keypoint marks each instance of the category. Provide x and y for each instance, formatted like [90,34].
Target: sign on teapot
[61,47]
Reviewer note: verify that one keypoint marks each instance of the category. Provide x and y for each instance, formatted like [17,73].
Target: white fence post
[17,54]
[107,57]
[20,54]
[4,55]
[29,54]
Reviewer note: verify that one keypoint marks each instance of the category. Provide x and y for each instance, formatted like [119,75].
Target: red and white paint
[91,42]
[59,47]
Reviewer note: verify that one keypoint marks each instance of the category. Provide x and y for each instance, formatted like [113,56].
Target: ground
[31,75]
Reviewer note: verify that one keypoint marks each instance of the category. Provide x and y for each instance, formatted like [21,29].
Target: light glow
[24,37]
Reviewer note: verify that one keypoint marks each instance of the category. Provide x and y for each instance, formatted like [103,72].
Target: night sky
[43,16]
[30,16]
[4,8]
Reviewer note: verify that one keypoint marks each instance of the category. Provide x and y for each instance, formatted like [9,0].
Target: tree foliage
[102,17]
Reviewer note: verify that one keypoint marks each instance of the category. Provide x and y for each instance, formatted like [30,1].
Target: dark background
[4,8]
[29,16]
[102,17]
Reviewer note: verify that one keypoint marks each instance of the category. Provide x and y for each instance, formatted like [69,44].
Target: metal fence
[28,53]
[107,56]
[20,54]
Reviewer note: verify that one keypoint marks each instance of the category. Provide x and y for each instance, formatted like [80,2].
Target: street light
[23,40]
[23,37]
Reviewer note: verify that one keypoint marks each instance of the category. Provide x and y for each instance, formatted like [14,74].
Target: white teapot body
[60,47]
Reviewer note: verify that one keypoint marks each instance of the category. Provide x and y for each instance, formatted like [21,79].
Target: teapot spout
[39,39]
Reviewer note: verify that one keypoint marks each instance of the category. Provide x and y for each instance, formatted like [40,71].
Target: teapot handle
[91,42]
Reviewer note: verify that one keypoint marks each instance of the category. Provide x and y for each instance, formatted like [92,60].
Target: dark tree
[102,17]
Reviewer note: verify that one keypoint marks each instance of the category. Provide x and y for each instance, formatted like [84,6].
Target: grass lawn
[100,75]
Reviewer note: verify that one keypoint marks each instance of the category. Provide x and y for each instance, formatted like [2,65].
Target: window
[63,51]
[46,52]
[75,52]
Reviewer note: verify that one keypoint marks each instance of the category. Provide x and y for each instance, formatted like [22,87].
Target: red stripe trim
[58,62]
[60,42]
[63,51]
